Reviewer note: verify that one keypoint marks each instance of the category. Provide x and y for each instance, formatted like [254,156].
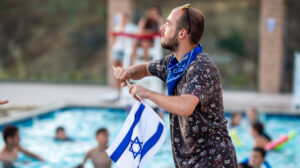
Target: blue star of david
[140,144]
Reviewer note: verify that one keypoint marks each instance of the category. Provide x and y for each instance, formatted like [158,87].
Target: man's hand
[3,102]
[122,74]
[137,90]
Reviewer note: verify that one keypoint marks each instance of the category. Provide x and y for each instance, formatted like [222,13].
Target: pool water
[81,123]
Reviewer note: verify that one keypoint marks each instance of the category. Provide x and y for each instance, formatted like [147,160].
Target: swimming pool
[81,123]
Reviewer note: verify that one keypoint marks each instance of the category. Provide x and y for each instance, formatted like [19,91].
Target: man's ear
[182,33]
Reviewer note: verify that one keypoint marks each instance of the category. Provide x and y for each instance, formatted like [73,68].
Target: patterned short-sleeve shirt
[201,139]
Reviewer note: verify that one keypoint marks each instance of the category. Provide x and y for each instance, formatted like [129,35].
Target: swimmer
[257,158]
[235,119]
[260,138]
[12,147]
[98,155]
[60,135]
[252,115]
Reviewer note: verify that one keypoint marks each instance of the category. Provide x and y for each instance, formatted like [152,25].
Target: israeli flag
[141,137]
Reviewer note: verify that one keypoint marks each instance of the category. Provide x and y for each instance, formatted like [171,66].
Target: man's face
[169,33]
[102,138]
[14,140]
[256,159]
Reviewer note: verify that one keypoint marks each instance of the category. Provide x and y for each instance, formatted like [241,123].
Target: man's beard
[171,43]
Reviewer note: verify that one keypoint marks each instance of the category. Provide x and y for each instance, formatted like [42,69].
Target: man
[198,126]
[257,158]
[9,153]
[98,155]
[60,135]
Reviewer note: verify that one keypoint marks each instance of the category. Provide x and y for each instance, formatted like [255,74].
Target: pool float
[236,139]
[278,143]
[291,136]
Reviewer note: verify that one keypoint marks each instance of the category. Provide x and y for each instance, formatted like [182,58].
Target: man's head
[60,133]
[183,25]
[11,135]
[102,136]
[257,157]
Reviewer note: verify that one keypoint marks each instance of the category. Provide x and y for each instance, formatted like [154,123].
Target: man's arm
[28,153]
[134,72]
[182,105]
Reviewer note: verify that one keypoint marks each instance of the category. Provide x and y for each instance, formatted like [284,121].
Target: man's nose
[162,28]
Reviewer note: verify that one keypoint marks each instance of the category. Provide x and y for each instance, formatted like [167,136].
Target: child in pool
[98,155]
[257,158]
[12,147]
[60,135]
[261,139]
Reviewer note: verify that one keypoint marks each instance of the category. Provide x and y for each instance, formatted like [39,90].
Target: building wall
[271,52]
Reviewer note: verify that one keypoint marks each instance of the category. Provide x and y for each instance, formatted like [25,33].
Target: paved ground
[27,96]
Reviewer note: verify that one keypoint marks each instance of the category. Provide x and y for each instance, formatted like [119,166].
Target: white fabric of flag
[140,138]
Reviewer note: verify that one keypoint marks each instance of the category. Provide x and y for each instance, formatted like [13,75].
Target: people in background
[98,155]
[60,135]
[260,137]
[147,26]
[12,147]
[252,115]
[256,160]
[235,119]
[123,25]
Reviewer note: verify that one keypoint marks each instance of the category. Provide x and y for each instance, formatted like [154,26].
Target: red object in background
[137,36]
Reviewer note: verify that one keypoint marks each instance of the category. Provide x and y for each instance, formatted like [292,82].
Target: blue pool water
[81,124]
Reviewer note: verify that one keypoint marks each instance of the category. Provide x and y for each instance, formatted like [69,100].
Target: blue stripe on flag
[123,145]
[152,141]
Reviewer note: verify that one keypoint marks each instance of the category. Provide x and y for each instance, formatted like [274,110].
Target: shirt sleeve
[159,68]
[201,81]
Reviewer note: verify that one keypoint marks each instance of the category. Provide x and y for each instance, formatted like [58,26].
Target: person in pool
[60,135]
[12,147]
[98,155]
[235,119]
[257,158]
[257,131]
[252,115]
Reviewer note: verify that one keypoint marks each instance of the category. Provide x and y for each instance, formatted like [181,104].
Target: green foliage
[53,40]
[233,43]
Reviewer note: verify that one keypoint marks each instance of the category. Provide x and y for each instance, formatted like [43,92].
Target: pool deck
[34,97]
